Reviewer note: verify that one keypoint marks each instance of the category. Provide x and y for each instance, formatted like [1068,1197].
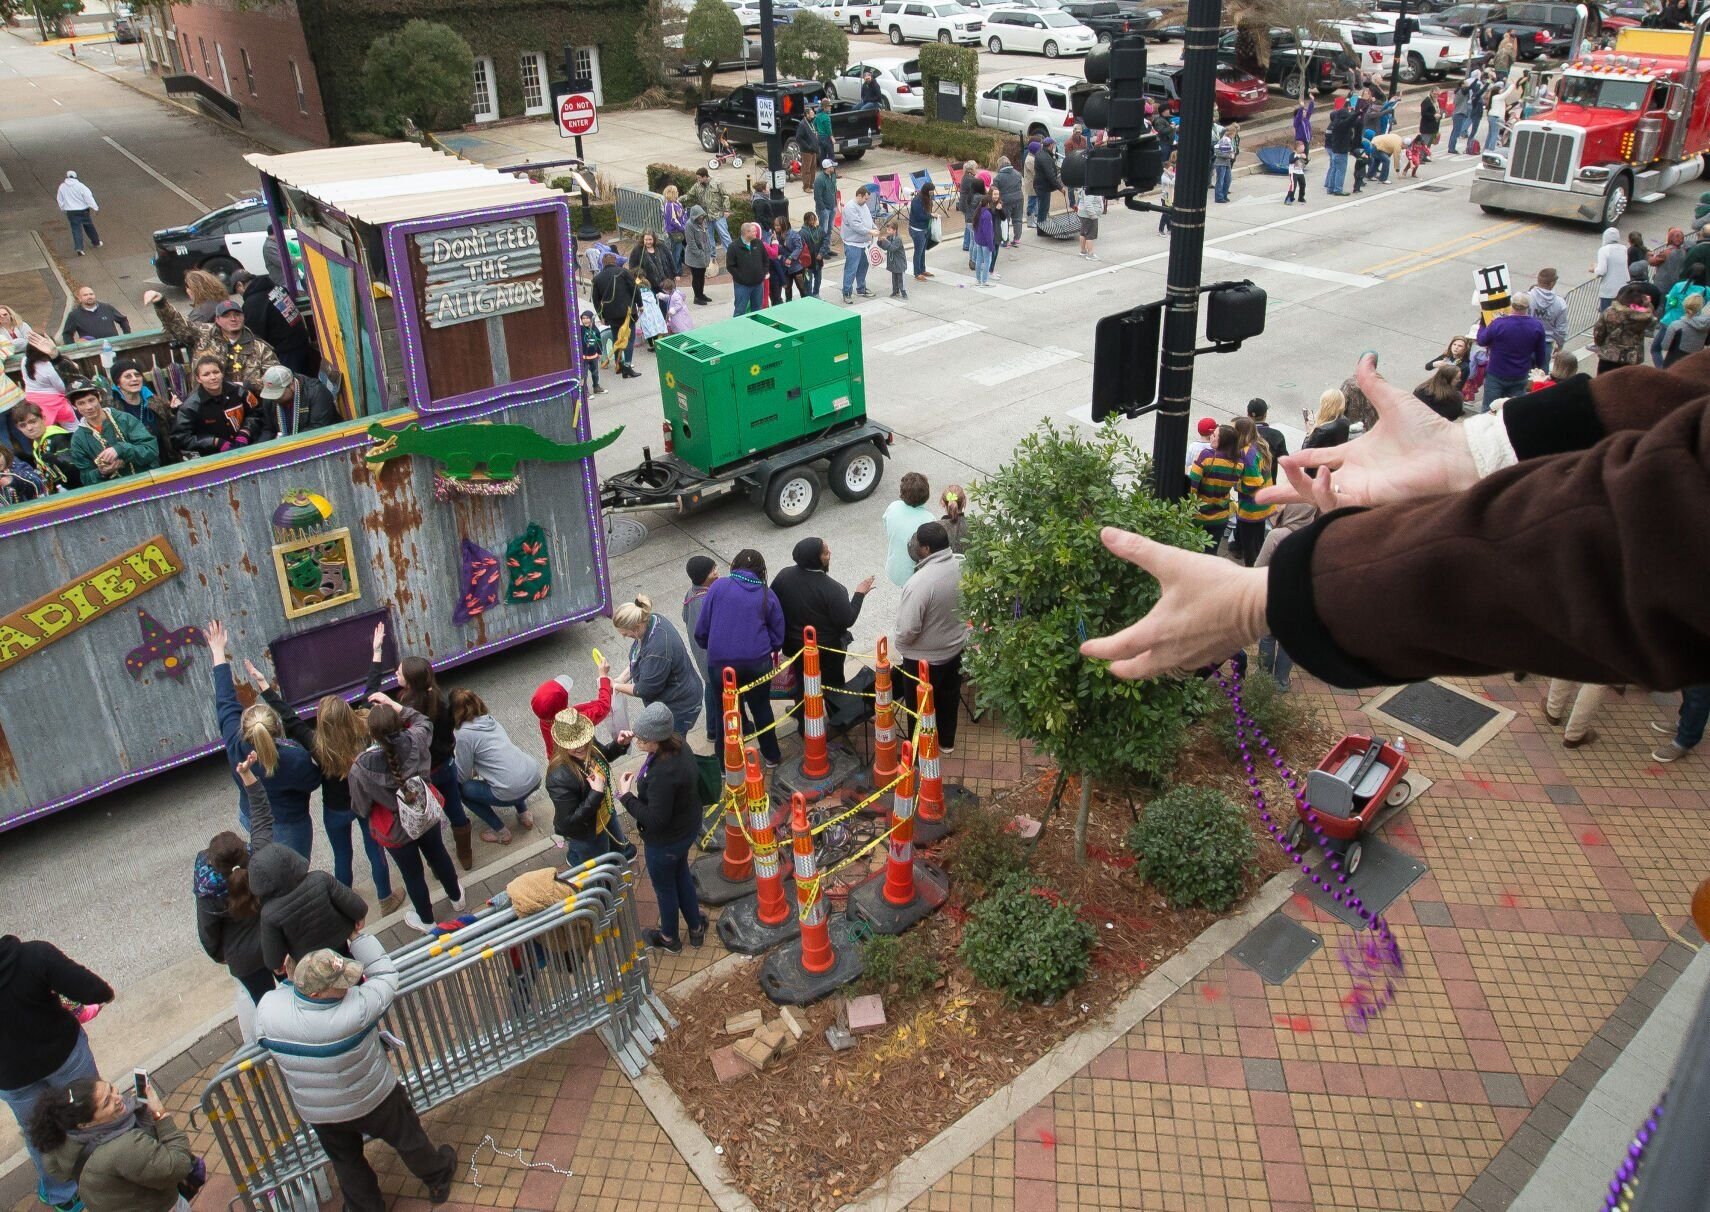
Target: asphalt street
[960,373]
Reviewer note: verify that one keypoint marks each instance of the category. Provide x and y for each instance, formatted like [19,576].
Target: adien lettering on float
[31,628]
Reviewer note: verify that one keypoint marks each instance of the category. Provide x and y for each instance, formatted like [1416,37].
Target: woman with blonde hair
[14,333]
[954,519]
[579,783]
[676,220]
[1330,426]
[284,767]
[336,738]
[206,293]
[661,669]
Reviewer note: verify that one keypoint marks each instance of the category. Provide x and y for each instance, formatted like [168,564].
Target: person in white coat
[1610,268]
[79,206]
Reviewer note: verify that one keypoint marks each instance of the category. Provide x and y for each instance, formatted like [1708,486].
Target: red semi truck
[1627,125]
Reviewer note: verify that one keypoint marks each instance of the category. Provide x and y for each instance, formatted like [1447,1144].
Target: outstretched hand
[256,678]
[215,633]
[1209,608]
[1411,452]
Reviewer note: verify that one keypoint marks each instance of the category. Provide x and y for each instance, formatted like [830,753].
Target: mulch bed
[817,1127]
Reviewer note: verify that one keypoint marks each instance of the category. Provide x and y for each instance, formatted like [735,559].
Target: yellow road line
[1461,252]
[1423,252]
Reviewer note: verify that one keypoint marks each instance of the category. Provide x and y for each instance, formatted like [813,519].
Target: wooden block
[774,1035]
[866,1014]
[755,1051]
[795,1022]
[839,1039]
[728,1065]
[742,1024]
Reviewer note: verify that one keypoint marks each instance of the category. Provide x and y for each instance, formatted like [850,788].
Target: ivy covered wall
[339,32]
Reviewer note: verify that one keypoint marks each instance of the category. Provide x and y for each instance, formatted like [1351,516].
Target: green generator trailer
[753,405]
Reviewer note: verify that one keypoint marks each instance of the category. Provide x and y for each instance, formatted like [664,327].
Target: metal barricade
[1582,310]
[640,210]
[471,1005]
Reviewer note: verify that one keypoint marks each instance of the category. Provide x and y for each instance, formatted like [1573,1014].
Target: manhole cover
[1384,874]
[623,535]
[1439,711]
[1277,947]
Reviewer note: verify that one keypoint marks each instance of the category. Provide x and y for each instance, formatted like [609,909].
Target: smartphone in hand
[140,1079]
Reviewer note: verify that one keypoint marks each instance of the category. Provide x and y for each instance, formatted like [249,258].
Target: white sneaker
[995,274]
[1092,256]
[415,923]
[457,903]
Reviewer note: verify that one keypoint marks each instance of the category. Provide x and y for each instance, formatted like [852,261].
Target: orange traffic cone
[884,719]
[816,933]
[815,763]
[824,957]
[909,888]
[899,862]
[936,811]
[723,877]
[760,922]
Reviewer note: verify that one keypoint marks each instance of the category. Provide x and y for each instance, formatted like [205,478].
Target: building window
[586,61]
[207,68]
[189,64]
[225,72]
[297,79]
[537,98]
[483,101]
[248,70]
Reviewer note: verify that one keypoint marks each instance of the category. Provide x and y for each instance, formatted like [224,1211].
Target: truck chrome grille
[1542,156]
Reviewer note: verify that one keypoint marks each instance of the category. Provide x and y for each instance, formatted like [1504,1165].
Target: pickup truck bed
[854,129]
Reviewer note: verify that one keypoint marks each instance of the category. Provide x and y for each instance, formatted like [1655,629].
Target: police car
[222,242]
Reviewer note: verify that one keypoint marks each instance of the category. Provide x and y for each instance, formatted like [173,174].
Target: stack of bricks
[765,1041]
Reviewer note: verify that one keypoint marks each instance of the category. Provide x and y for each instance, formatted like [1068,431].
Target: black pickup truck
[1538,29]
[855,129]
[1326,69]
[1108,18]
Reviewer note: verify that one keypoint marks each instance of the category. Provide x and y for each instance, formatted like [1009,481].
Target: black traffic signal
[1125,362]
[1114,100]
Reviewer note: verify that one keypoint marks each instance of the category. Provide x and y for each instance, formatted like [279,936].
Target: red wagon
[1347,790]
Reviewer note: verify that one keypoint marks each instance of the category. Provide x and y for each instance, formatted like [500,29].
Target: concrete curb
[927,1165]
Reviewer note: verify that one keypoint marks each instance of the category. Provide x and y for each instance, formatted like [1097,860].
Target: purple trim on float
[136,776]
[409,332]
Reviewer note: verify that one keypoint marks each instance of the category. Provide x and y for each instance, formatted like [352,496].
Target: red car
[1239,94]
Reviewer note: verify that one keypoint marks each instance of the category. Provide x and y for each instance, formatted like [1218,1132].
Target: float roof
[391,182]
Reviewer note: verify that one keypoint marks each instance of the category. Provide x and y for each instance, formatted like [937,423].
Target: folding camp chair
[890,192]
[920,179]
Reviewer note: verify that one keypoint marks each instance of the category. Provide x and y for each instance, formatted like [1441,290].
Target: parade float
[457,501]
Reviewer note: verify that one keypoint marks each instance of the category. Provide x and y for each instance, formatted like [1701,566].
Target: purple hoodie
[1303,121]
[985,230]
[741,622]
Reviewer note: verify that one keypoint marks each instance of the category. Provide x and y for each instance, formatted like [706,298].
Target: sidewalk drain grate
[1439,711]
[1384,874]
[1277,948]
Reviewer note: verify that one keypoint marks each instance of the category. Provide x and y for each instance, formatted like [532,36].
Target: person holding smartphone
[119,1147]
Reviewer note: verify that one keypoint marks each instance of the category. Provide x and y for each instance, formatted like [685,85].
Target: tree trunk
[1081,819]
[1253,45]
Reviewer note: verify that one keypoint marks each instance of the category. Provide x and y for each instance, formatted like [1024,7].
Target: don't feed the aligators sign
[31,628]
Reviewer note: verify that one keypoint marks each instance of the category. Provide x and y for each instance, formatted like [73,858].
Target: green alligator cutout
[463,448]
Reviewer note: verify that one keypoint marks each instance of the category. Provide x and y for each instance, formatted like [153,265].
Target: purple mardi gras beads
[1374,961]
[1624,1185]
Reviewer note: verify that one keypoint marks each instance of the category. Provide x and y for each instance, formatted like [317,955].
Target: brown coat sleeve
[1578,414]
[1593,565]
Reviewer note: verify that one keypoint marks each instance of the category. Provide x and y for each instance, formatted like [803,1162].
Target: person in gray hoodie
[1688,334]
[323,1035]
[493,770]
[930,627]
[1550,309]
[1007,181]
[698,251]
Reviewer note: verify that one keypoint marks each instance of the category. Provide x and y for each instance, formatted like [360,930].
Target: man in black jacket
[298,402]
[1047,178]
[614,297]
[746,260]
[810,598]
[271,314]
[1259,410]
[220,414]
[43,1044]
[1340,141]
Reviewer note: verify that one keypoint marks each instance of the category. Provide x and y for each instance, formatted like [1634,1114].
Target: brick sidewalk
[1534,951]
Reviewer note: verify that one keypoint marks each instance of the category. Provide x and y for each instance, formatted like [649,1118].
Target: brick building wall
[267,67]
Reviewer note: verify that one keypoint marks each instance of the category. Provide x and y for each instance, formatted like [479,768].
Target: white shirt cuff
[1487,437]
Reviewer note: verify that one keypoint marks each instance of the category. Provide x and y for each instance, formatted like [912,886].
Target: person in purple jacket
[742,627]
[985,241]
[1517,344]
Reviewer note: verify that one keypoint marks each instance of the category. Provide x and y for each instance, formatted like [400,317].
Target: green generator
[761,382]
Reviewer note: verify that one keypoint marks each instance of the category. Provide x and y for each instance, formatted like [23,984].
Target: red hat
[1207,427]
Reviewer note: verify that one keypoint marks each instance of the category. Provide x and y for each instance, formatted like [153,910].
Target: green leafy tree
[812,48]
[714,33]
[425,72]
[650,46]
[1037,582]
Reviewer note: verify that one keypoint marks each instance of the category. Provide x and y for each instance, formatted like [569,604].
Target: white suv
[1028,105]
[1050,33]
[929,20]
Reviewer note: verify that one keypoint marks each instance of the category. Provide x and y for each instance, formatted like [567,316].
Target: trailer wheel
[1616,200]
[856,472]
[792,496]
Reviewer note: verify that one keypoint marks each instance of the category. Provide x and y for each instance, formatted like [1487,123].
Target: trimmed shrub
[942,140]
[712,34]
[902,962]
[812,48]
[422,73]
[960,64]
[983,854]
[1026,940]
[1194,846]
[1277,714]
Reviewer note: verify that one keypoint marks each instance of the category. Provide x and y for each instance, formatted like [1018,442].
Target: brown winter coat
[245,356]
[1620,334]
[137,1171]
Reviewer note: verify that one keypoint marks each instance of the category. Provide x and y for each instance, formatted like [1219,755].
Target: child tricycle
[1353,782]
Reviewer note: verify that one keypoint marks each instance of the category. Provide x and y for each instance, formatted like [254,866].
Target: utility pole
[774,137]
[1403,30]
[1187,247]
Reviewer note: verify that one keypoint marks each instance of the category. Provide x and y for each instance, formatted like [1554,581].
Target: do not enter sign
[577,115]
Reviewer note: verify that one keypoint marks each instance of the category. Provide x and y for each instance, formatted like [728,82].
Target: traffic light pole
[775,139]
[1401,33]
[1187,247]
